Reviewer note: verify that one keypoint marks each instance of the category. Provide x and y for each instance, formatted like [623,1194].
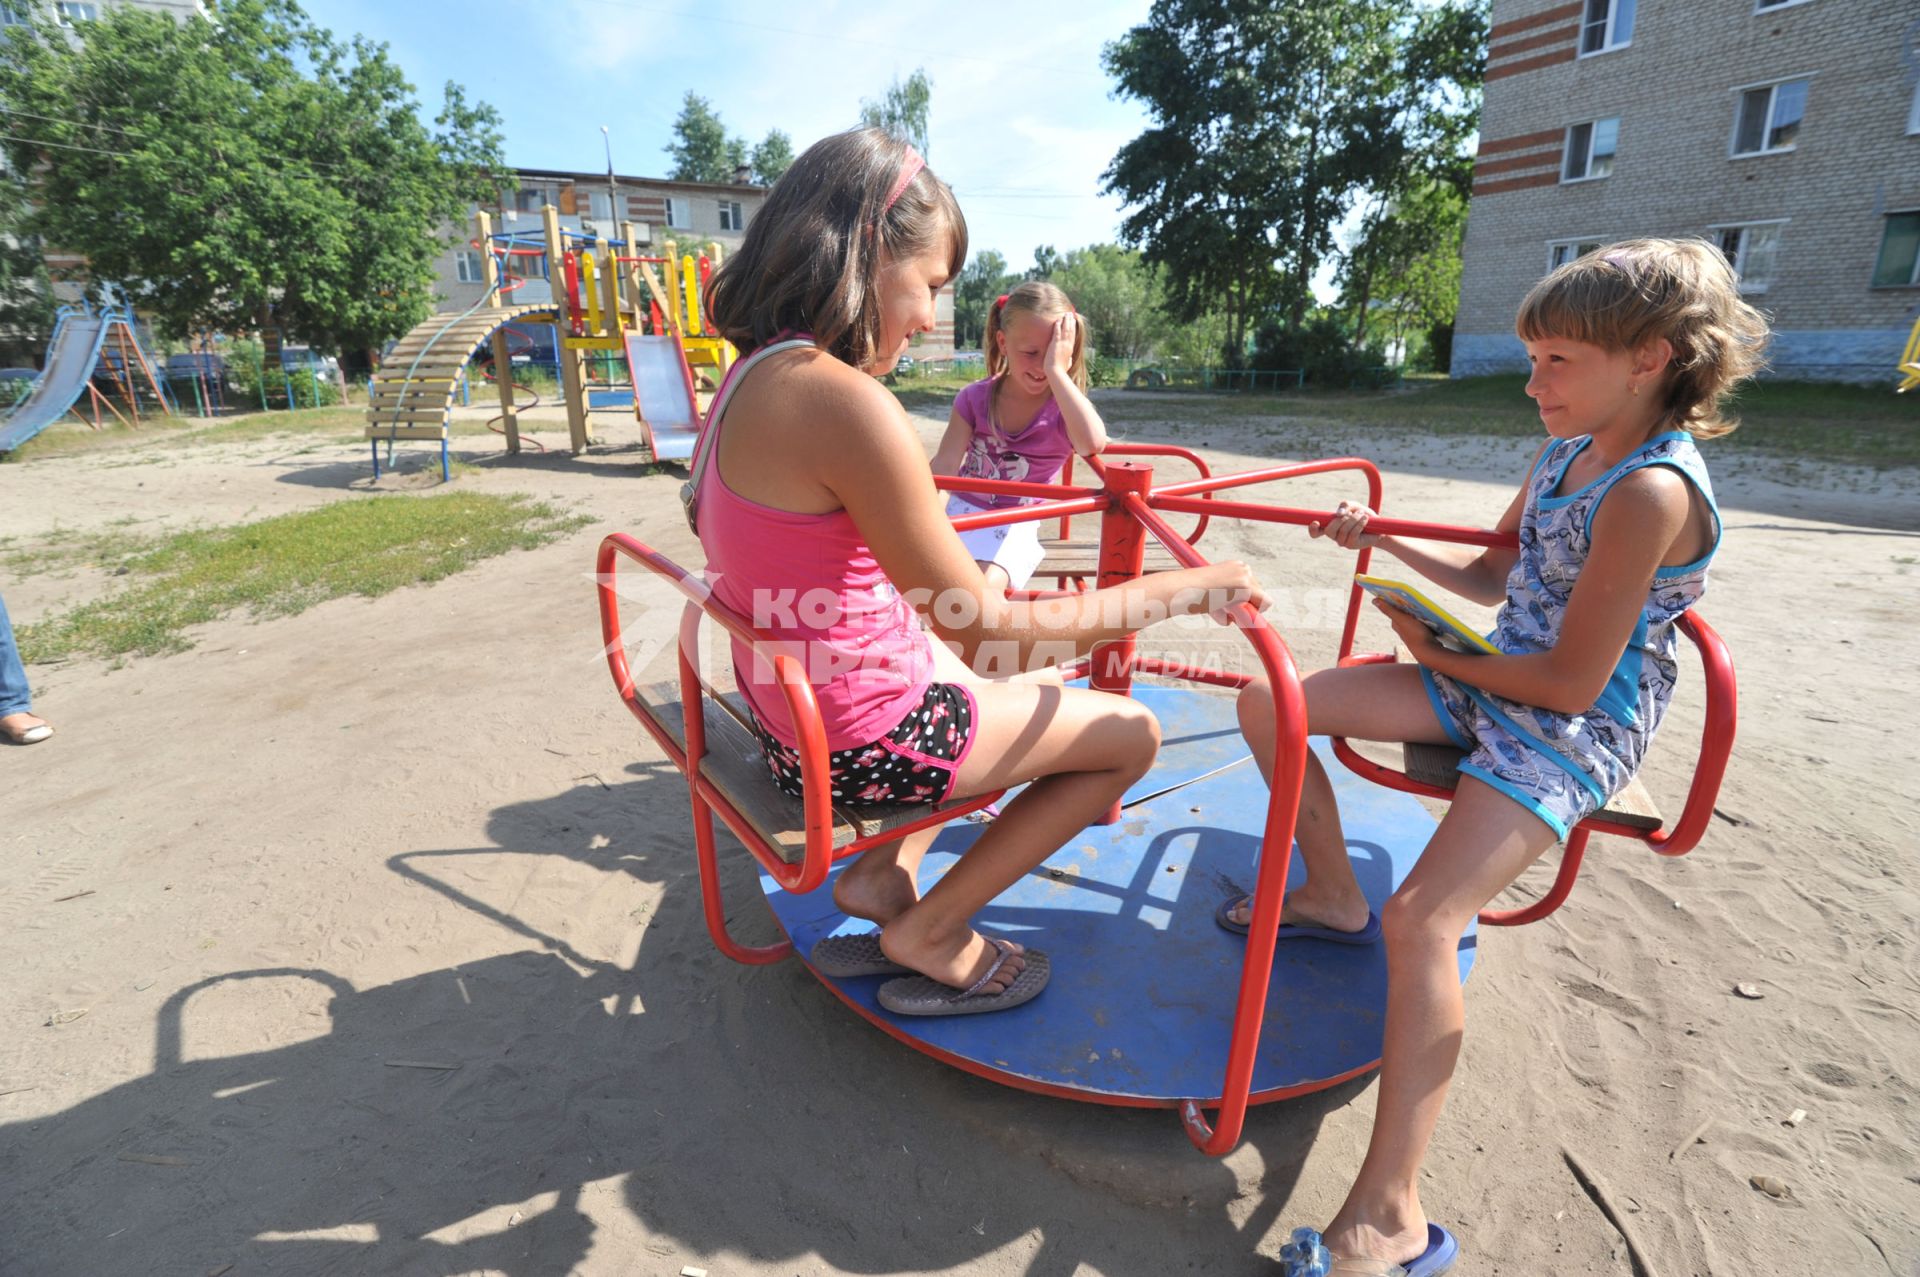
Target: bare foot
[875,889]
[1394,1244]
[1302,909]
[958,959]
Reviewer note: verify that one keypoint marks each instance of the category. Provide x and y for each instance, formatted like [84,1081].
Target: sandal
[924,995]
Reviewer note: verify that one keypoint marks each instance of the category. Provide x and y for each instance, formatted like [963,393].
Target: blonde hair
[1044,301]
[812,256]
[1622,296]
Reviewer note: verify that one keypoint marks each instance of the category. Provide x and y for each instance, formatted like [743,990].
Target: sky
[1022,120]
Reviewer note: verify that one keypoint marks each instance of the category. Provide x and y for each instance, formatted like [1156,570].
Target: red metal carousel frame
[1130,509]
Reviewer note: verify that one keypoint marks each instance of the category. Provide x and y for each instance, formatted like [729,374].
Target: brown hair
[813,254]
[1622,296]
[1045,301]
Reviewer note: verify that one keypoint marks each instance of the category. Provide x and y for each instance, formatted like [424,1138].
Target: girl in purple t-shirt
[1021,423]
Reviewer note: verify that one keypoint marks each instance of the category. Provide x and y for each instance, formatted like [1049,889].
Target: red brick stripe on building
[1537,159]
[1540,19]
[1506,69]
[1516,183]
[1523,141]
[1559,35]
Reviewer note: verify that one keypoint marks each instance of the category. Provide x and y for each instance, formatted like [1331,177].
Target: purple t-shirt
[1035,455]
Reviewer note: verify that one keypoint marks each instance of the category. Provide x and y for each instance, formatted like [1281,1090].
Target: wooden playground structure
[603,297]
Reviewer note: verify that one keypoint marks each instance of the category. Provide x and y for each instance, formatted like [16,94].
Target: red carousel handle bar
[1188,455]
[1216,1139]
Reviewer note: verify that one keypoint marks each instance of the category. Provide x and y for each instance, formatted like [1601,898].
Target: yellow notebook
[1446,627]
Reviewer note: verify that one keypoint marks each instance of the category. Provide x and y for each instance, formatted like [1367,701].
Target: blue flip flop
[1368,934]
[1305,1256]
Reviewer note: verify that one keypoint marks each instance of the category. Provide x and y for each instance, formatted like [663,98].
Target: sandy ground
[242,884]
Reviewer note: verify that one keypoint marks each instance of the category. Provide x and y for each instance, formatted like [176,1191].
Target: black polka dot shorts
[914,763]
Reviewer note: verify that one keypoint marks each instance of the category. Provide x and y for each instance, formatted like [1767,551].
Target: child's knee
[1255,708]
[1136,733]
[1412,926]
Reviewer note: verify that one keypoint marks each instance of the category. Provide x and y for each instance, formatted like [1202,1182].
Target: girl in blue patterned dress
[1632,347]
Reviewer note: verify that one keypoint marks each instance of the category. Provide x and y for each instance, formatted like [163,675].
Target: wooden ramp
[409,398]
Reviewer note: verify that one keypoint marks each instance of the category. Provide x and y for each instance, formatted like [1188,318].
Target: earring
[1633,387]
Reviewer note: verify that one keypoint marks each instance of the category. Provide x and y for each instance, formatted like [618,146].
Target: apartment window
[1753,250]
[679,213]
[13,15]
[1562,251]
[1762,6]
[1608,25]
[1769,118]
[467,267]
[731,218]
[1913,112]
[1590,150]
[71,12]
[600,206]
[1899,264]
[530,199]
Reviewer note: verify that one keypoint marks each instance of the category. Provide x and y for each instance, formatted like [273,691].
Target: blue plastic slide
[71,357]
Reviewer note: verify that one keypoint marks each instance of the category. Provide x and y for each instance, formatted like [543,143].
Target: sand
[368,941]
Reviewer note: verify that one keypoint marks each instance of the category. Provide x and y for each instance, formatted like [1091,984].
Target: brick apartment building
[1787,132]
[689,213]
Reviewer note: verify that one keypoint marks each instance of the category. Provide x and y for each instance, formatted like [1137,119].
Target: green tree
[1269,117]
[26,294]
[980,281]
[902,109]
[701,149]
[1117,292]
[1046,259]
[243,168]
[1404,266]
[772,157]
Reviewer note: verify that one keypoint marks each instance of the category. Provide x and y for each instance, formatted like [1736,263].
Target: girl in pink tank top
[818,513]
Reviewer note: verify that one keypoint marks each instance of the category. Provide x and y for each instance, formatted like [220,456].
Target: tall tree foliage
[979,282]
[903,109]
[701,149]
[1269,118]
[772,157]
[26,294]
[243,167]
[1117,293]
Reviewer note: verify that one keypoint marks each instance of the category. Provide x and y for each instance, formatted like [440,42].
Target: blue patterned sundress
[1564,767]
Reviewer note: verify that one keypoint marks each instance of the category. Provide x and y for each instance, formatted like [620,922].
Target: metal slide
[71,358]
[664,397]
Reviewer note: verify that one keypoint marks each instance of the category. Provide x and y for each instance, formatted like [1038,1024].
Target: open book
[1443,623]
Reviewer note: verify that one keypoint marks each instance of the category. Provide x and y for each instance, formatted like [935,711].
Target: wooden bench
[1439,765]
[736,767]
[1080,557]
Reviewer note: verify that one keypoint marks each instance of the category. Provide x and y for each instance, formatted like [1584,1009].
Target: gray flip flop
[846,957]
[923,995]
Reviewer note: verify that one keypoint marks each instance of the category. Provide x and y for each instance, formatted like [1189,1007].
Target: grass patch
[285,565]
[64,548]
[1812,420]
[68,437]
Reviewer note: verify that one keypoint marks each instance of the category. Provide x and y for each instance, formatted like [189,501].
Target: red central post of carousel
[1123,553]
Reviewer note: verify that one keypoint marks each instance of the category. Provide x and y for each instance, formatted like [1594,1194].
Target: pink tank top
[811,582]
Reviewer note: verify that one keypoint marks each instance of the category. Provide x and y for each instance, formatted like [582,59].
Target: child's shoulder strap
[704,445]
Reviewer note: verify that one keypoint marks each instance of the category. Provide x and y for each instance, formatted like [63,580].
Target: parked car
[292,357]
[192,365]
[14,385]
